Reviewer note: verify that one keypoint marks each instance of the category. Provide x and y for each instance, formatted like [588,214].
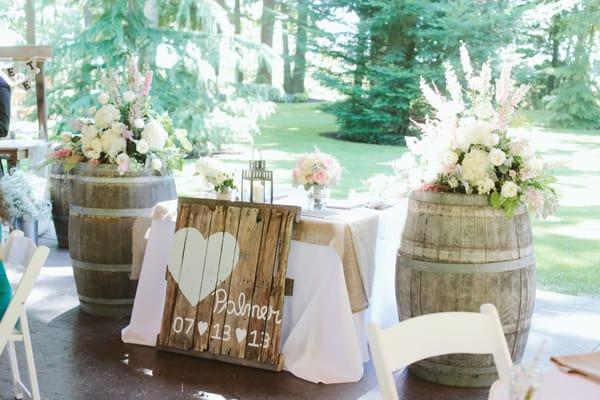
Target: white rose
[139,123]
[156,164]
[485,186]
[449,157]
[491,140]
[89,132]
[66,137]
[509,189]
[92,149]
[156,136]
[142,146]
[106,115]
[475,166]
[128,96]
[497,157]
[103,98]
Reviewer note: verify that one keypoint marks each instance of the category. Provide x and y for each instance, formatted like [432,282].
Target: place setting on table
[336,281]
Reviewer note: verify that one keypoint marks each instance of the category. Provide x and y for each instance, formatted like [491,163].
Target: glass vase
[317,197]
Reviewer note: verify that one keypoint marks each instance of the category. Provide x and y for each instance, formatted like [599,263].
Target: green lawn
[567,245]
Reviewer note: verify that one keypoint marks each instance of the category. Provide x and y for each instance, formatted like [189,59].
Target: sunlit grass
[567,245]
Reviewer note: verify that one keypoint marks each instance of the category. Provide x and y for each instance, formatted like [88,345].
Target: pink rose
[320,177]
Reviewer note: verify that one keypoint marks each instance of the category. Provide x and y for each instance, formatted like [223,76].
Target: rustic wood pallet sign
[226,281]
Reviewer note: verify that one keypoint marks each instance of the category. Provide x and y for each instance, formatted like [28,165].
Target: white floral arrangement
[25,195]
[465,146]
[216,174]
[124,129]
[316,169]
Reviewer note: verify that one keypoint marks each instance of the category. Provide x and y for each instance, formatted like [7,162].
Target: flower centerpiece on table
[465,146]
[25,196]
[316,172]
[124,129]
[217,176]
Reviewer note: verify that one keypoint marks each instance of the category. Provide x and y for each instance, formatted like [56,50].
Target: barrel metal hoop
[101,267]
[59,176]
[492,267]
[96,300]
[111,212]
[123,180]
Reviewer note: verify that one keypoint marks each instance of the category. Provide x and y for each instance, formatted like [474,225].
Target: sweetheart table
[343,266]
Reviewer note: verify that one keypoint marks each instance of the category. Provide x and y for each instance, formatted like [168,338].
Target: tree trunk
[151,13]
[301,46]
[87,14]
[267,23]
[555,41]
[287,67]
[30,18]
[237,22]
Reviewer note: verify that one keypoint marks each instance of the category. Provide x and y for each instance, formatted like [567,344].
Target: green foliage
[396,43]
[188,84]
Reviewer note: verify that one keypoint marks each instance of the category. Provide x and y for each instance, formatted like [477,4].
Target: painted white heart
[240,334]
[202,327]
[199,265]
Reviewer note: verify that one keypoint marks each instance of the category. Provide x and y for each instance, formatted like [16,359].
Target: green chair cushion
[5,291]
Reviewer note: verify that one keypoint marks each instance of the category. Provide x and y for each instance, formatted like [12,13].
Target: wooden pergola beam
[24,53]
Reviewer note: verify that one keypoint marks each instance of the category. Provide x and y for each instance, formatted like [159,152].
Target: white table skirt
[322,340]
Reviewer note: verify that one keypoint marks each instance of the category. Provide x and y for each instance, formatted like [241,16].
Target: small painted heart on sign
[240,334]
[202,327]
[191,253]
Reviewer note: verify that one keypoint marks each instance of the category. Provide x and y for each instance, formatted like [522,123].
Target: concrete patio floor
[82,357]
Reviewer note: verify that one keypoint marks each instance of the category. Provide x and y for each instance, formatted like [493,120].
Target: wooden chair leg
[35,390]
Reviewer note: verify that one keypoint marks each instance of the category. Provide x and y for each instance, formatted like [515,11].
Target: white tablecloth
[555,385]
[323,341]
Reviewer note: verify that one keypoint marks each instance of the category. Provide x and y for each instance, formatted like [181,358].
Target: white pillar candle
[258,192]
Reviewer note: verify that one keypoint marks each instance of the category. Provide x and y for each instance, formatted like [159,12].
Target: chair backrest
[34,264]
[433,335]
[18,249]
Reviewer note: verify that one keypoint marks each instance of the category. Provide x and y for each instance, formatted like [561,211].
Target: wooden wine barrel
[60,195]
[104,207]
[457,253]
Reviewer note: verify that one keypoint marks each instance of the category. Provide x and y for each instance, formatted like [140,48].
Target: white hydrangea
[92,149]
[491,140]
[475,166]
[485,186]
[112,143]
[449,157]
[472,131]
[156,164]
[155,134]
[142,146]
[497,157]
[106,115]
[509,189]
[88,132]
[139,123]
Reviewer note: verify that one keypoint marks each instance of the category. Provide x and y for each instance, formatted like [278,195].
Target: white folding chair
[20,250]
[418,338]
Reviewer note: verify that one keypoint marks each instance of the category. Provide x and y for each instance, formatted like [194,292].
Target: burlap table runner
[352,233]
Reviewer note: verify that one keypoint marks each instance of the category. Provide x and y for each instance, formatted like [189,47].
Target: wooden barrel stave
[60,194]
[489,260]
[104,207]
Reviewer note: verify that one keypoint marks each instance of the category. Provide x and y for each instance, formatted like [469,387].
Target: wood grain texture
[103,209]
[457,253]
[241,282]
[60,196]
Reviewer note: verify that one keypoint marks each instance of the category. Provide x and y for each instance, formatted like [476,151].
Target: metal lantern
[257,181]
